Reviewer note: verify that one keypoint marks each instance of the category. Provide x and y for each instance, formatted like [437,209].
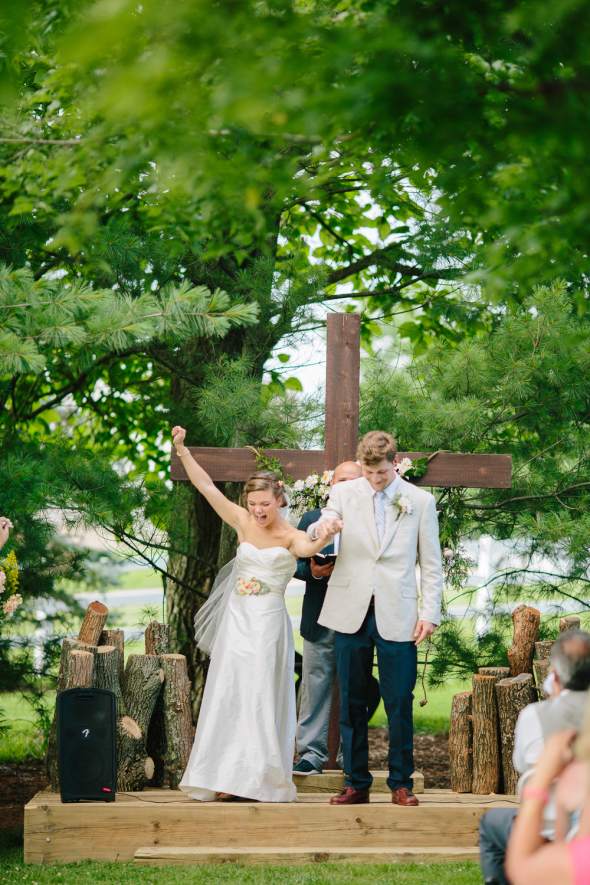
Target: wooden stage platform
[165,827]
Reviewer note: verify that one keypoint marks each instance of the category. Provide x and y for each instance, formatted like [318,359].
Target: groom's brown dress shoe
[403,796]
[350,796]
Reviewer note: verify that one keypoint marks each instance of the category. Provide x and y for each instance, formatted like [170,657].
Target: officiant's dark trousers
[398,664]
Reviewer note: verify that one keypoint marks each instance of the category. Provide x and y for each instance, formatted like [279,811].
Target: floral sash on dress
[250,587]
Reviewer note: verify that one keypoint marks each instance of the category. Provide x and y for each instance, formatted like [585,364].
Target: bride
[244,743]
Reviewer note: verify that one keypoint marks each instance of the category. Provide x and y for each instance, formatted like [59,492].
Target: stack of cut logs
[154,728]
[481,734]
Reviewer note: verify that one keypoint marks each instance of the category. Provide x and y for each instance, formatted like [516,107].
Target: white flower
[327,476]
[324,490]
[405,505]
[448,553]
[311,481]
[12,603]
[404,465]
[299,486]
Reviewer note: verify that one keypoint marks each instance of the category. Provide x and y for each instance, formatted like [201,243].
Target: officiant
[319,664]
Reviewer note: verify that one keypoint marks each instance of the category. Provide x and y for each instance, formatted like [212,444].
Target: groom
[372,602]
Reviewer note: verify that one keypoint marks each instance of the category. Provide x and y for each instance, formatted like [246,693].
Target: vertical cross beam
[342,430]
[342,387]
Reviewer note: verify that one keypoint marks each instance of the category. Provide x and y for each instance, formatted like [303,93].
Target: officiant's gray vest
[565,711]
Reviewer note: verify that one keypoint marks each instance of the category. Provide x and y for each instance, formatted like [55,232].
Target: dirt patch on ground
[431,756]
[19,781]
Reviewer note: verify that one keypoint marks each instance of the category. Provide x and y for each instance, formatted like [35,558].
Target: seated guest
[319,662]
[530,859]
[570,669]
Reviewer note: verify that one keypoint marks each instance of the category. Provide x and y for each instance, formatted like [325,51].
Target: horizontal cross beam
[451,471]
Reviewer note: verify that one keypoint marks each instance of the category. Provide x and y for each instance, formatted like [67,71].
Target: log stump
[177,717]
[486,748]
[116,638]
[93,623]
[143,681]
[543,650]
[512,695]
[106,674]
[461,744]
[572,622]
[526,622]
[157,639]
[498,672]
[76,671]
[542,670]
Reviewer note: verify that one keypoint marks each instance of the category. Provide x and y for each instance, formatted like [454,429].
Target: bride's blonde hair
[265,481]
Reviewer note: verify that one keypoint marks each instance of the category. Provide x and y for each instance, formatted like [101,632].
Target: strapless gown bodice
[273,566]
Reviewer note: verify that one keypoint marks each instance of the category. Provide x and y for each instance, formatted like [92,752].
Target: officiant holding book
[319,664]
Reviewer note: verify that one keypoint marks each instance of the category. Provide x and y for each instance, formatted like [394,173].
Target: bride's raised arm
[303,548]
[229,512]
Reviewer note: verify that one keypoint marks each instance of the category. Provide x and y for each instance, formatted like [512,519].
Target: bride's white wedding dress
[245,736]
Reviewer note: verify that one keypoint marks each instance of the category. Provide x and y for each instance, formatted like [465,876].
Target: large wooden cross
[341,439]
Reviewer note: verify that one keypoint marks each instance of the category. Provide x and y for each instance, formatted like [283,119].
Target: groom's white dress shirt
[385,567]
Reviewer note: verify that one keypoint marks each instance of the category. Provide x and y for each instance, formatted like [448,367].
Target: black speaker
[87,744]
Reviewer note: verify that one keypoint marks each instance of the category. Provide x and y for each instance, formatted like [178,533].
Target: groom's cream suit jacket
[388,571]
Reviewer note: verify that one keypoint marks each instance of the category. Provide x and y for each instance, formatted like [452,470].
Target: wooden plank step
[185,857]
[333,782]
[165,818]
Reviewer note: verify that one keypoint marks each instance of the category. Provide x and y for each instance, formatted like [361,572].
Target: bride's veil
[208,618]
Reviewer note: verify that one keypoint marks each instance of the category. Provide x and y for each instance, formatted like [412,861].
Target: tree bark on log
[93,623]
[157,639]
[117,638]
[486,748]
[572,622]
[461,744]
[498,672]
[76,671]
[526,622]
[543,650]
[143,681]
[512,695]
[177,717]
[542,670]
[106,674]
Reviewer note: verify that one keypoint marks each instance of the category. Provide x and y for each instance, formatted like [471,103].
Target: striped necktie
[379,499]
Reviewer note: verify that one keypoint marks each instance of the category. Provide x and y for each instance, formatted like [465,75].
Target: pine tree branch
[343,273]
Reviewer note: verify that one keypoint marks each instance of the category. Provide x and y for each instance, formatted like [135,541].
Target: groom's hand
[423,630]
[328,528]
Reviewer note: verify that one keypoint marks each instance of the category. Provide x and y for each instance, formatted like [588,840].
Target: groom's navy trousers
[398,665]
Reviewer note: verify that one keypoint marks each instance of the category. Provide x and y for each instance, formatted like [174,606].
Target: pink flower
[12,603]
[448,553]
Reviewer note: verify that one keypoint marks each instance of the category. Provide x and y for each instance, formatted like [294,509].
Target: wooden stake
[157,639]
[526,622]
[486,749]
[76,671]
[512,695]
[116,638]
[143,681]
[571,622]
[461,743]
[93,623]
[498,672]
[177,717]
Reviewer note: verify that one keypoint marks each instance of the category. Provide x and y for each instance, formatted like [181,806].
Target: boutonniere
[404,505]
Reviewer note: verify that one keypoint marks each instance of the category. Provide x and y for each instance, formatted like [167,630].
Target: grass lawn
[12,869]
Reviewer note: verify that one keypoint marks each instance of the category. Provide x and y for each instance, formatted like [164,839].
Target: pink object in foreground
[580,859]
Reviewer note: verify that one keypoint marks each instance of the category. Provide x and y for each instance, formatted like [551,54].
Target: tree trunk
[157,639]
[526,622]
[461,744]
[199,529]
[572,622]
[117,638]
[143,681]
[177,717]
[498,672]
[512,695]
[93,623]
[76,671]
[543,650]
[542,670]
[486,749]
[106,674]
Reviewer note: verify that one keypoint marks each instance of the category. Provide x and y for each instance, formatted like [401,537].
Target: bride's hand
[328,528]
[178,435]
